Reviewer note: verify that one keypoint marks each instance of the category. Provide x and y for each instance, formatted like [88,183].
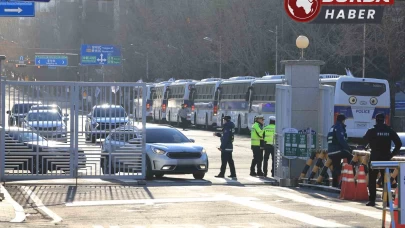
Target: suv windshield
[22,108]
[44,116]
[165,136]
[109,112]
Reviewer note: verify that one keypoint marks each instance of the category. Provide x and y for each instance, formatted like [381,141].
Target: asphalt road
[180,201]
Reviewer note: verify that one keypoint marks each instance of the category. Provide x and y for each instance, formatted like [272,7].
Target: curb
[18,209]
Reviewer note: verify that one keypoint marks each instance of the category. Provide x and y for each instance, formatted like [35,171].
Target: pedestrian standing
[256,136]
[379,138]
[338,148]
[183,113]
[268,136]
[226,147]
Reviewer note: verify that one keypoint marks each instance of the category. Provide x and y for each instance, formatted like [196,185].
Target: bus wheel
[239,126]
[206,121]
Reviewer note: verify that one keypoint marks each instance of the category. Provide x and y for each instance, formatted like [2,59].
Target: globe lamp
[302,42]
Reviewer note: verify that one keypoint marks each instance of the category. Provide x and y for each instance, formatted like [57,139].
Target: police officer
[256,136]
[379,138]
[226,147]
[268,136]
[338,148]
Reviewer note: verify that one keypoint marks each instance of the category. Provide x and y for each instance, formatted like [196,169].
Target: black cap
[226,118]
[380,116]
[341,117]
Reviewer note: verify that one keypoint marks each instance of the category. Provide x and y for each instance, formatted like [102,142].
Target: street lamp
[147,61]
[276,32]
[302,42]
[220,53]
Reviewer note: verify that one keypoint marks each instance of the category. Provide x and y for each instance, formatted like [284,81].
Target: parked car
[47,123]
[18,112]
[168,151]
[23,148]
[104,118]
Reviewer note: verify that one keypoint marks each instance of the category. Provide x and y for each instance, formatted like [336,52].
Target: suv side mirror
[8,112]
[65,119]
[66,114]
[192,140]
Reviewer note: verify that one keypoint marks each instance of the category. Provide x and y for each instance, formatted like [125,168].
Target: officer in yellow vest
[256,136]
[268,136]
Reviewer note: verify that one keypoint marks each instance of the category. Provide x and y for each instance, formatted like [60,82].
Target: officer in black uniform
[338,148]
[379,139]
[226,147]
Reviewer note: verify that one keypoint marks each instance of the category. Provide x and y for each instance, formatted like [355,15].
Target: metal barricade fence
[53,131]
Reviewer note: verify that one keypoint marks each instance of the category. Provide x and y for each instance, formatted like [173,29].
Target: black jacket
[379,138]
[227,136]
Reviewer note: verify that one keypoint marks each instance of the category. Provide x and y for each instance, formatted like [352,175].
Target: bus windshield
[363,88]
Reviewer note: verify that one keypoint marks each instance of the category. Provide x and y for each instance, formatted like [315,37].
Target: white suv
[104,118]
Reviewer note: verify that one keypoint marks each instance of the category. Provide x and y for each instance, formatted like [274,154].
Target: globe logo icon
[302,10]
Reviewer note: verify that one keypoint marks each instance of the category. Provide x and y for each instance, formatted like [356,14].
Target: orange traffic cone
[396,212]
[348,188]
[361,186]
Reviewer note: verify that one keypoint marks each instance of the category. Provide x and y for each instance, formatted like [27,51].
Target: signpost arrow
[18,10]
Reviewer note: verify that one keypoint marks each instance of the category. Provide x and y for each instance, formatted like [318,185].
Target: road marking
[327,204]
[302,217]
[18,209]
[150,201]
[31,195]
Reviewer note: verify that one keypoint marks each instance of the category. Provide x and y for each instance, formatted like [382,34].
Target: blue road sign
[100,55]
[51,60]
[17,9]
[21,58]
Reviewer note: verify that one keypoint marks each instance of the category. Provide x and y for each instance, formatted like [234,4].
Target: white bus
[360,100]
[263,98]
[159,100]
[234,101]
[180,92]
[206,103]
[138,102]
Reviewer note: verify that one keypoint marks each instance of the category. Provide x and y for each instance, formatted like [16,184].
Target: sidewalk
[10,211]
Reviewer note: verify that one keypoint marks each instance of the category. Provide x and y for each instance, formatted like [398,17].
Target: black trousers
[268,150]
[257,159]
[337,167]
[226,158]
[183,122]
[372,181]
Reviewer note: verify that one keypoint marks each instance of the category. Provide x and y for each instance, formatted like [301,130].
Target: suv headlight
[203,150]
[158,151]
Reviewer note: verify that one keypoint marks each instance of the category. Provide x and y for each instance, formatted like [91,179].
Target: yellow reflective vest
[256,134]
[269,132]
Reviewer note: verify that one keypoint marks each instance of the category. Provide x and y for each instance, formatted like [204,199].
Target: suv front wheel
[198,176]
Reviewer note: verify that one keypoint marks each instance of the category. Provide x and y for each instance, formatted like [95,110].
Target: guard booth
[302,124]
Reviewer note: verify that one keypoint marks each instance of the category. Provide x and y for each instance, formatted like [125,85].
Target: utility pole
[220,56]
[364,50]
[276,49]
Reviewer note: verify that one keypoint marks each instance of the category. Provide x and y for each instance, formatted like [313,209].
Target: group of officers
[262,140]
[378,139]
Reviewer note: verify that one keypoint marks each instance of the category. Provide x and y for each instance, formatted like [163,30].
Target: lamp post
[147,61]
[276,33]
[302,42]
[220,53]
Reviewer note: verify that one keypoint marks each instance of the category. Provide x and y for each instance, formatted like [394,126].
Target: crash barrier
[323,163]
[397,219]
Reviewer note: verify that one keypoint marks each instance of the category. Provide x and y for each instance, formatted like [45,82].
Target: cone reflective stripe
[361,186]
[324,169]
[314,155]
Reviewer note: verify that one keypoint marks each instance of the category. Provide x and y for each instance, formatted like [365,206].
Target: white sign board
[401,194]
